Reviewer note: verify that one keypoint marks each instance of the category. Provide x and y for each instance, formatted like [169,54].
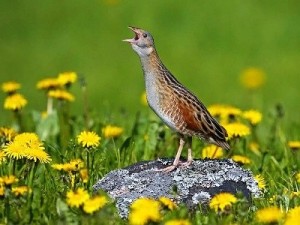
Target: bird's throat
[151,63]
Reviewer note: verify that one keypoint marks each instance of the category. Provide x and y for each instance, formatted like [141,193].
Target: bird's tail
[223,144]
[219,136]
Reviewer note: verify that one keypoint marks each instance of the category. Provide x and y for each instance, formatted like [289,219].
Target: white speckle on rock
[201,197]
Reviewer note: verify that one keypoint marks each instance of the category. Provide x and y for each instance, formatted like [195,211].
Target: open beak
[136,37]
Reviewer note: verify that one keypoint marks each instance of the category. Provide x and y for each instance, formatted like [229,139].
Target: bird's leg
[176,160]
[190,157]
[178,154]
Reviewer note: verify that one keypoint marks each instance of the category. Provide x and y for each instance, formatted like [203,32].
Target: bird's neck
[152,64]
[152,67]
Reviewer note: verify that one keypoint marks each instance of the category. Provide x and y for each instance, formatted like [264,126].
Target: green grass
[205,44]
[144,138]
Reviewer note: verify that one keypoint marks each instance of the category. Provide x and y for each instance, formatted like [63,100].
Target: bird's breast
[153,94]
[159,101]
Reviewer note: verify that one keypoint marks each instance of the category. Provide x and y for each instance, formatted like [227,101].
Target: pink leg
[190,157]
[176,160]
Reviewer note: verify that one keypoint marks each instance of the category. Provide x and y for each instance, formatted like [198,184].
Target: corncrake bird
[178,107]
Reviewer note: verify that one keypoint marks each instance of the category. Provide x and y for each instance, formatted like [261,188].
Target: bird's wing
[198,120]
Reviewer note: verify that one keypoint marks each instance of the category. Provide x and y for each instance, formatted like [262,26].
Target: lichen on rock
[192,185]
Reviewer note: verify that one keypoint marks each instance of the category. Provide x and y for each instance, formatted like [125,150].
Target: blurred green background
[206,44]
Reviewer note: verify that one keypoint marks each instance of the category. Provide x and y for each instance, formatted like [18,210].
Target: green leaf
[46,127]
[66,216]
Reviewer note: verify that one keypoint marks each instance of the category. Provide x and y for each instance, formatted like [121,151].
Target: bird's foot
[168,169]
[185,164]
[173,167]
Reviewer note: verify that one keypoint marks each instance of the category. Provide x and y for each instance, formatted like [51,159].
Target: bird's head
[142,43]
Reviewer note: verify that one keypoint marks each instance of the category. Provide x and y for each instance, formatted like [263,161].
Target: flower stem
[30,184]
[88,165]
[49,105]
[63,115]
[19,121]
[7,209]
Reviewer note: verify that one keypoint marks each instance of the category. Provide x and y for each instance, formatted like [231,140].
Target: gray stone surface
[192,185]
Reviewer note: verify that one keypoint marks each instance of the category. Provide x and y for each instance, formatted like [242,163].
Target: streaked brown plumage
[179,108]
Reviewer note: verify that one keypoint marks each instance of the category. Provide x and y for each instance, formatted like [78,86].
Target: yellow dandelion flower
[15,102]
[144,210]
[8,180]
[167,202]
[252,78]
[67,78]
[48,84]
[7,134]
[94,204]
[215,110]
[38,154]
[260,181]
[144,99]
[212,152]
[237,129]
[270,214]
[72,166]
[298,177]
[295,145]
[14,150]
[224,110]
[27,145]
[62,166]
[112,131]
[88,139]
[178,222]
[10,87]
[28,138]
[253,116]
[222,201]
[241,159]
[76,164]
[61,95]
[293,216]
[84,176]
[2,190]
[226,113]
[21,190]
[77,198]
[57,166]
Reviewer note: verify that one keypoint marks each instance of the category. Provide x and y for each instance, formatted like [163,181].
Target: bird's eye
[145,35]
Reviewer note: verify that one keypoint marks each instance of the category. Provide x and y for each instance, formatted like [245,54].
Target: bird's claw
[185,164]
[167,169]
[173,167]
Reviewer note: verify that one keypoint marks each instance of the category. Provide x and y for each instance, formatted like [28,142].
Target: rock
[192,185]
